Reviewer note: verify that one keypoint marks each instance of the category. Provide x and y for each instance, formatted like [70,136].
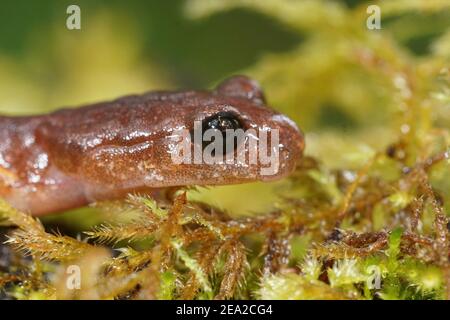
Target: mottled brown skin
[73,157]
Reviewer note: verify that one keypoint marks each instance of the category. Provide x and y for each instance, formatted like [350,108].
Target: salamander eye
[223,121]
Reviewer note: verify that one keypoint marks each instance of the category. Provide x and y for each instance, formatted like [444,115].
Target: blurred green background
[299,50]
[126,46]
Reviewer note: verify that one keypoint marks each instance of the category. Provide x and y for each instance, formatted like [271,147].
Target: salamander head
[229,136]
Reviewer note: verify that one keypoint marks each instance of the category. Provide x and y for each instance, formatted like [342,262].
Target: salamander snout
[291,144]
[272,140]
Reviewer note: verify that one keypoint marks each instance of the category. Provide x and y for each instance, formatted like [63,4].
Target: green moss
[363,216]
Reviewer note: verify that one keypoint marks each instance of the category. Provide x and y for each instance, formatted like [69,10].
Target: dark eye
[223,121]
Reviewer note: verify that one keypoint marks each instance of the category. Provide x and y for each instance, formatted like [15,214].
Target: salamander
[75,156]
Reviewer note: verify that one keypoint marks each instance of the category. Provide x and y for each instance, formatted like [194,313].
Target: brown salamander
[72,157]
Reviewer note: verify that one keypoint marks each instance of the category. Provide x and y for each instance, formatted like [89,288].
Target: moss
[363,216]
